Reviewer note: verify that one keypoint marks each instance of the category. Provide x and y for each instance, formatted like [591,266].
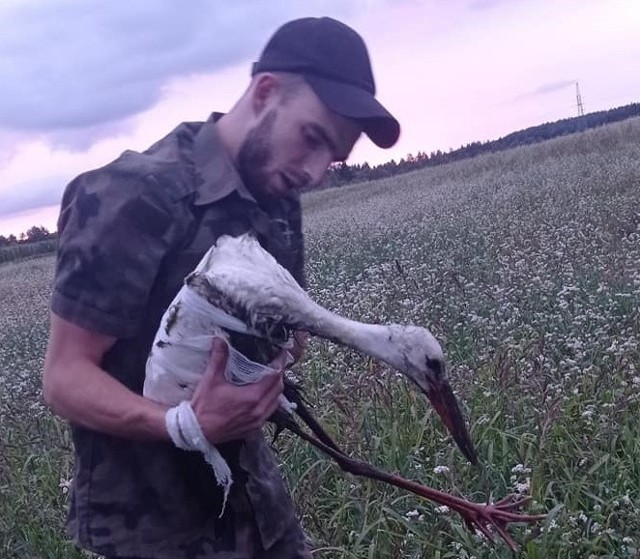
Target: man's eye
[313,141]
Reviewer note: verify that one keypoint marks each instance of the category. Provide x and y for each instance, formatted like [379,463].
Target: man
[129,233]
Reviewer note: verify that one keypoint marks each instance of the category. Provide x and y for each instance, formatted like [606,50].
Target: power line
[579,100]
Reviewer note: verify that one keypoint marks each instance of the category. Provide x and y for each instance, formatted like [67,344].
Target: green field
[525,265]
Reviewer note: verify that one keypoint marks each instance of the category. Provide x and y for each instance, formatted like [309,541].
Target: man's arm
[80,391]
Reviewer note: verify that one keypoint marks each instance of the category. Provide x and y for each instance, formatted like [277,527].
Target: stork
[254,302]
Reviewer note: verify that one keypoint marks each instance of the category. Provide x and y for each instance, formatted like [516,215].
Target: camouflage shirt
[128,235]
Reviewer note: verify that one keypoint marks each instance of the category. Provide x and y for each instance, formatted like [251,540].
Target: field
[26,250]
[525,265]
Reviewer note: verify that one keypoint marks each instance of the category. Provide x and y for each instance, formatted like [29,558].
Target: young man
[129,233]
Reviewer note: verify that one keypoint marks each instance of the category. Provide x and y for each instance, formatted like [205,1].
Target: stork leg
[477,516]
[303,412]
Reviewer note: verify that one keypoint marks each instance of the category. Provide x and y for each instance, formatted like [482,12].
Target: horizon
[442,69]
[19,234]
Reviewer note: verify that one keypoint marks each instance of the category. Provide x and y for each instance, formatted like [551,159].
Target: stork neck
[372,339]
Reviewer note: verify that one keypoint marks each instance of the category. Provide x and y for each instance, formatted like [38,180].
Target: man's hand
[228,412]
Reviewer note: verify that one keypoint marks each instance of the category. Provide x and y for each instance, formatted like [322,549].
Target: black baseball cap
[334,61]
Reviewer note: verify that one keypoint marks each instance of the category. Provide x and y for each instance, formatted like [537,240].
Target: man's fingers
[271,396]
[273,406]
[218,357]
[264,390]
[267,406]
[282,360]
[265,394]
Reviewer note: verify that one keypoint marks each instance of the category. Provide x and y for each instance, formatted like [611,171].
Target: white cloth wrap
[182,347]
[185,432]
[178,359]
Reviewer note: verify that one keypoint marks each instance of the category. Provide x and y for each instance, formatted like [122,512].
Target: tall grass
[525,264]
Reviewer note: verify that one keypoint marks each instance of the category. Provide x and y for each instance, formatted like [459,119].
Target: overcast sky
[83,80]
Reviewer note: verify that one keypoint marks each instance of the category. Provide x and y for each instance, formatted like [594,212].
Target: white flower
[441,470]
[65,484]
[520,469]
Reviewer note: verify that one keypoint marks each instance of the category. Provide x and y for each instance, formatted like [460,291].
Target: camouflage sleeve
[114,229]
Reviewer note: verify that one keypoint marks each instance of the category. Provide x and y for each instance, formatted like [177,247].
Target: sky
[83,80]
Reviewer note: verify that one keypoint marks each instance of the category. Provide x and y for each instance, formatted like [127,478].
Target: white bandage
[185,432]
[184,429]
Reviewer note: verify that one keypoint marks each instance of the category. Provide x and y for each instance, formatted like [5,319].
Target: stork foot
[497,516]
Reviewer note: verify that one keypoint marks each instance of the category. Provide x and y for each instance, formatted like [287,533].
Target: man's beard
[254,156]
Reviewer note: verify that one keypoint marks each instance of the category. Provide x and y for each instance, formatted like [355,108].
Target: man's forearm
[90,397]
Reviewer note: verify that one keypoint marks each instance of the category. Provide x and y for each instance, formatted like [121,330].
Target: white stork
[239,287]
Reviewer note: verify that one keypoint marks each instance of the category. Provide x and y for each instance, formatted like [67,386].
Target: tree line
[34,234]
[343,173]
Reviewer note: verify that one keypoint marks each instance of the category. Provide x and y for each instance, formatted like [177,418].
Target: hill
[343,173]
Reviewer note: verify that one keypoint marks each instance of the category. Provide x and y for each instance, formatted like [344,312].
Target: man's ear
[264,91]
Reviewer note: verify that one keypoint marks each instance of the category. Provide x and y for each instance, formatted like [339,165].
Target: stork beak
[445,403]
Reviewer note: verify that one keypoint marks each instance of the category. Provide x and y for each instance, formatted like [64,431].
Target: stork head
[421,359]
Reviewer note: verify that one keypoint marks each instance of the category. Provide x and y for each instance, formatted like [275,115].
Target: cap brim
[354,102]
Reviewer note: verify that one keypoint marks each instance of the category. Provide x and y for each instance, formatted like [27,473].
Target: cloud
[546,89]
[10,142]
[33,194]
[485,4]
[552,87]
[81,139]
[68,65]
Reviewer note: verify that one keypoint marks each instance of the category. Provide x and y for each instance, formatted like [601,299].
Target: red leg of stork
[477,516]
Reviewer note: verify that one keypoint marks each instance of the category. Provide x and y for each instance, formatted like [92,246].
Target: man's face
[293,145]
